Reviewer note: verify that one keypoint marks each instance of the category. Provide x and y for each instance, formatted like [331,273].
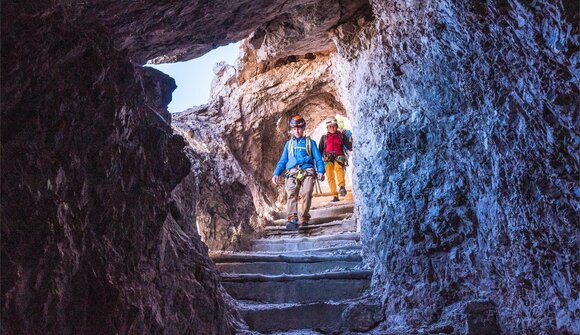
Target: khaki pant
[334,171]
[300,189]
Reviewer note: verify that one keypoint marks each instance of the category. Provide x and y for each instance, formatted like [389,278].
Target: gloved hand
[321,176]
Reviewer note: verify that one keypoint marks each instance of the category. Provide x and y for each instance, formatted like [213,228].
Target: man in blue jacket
[301,159]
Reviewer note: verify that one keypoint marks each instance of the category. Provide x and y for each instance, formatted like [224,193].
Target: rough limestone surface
[236,140]
[467,159]
[361,316]
[292,34]
[92,240]
[177,30]
[224,211]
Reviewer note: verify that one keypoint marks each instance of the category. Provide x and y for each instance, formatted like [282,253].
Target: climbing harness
[299,174]
[342,160]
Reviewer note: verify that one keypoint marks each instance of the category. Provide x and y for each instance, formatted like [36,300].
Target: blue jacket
[299,157]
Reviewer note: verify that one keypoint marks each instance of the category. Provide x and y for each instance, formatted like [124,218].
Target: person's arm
[281,165]
[318,160]
[322,145]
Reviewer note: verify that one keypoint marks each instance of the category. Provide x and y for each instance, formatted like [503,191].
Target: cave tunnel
[120,218]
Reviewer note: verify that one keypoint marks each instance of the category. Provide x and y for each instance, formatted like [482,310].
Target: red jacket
[333,143]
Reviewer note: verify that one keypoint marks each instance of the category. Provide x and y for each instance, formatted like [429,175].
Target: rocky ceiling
[182,30]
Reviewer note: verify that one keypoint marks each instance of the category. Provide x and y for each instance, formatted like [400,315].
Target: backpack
[308,147]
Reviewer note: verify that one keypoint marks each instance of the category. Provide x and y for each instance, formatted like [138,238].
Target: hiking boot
[292,223]
[342,191]
[335,199]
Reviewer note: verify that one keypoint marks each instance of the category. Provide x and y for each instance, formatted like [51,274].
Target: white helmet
[331,121]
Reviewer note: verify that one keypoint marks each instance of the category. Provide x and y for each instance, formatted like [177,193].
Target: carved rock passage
[92,242]
[467,160]
[236,140]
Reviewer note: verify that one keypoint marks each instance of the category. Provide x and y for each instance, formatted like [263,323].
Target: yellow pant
[334,172]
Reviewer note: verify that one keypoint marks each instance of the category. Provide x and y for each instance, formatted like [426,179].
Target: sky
[193,78]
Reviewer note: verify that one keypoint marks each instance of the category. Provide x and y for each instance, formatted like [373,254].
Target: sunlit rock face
[92,240]
[305,28]
[223,209]
[466,160]
[238,136]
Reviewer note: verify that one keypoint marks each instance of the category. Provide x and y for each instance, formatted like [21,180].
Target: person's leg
[291,187]
[306,196]
[339,170]
[329,167]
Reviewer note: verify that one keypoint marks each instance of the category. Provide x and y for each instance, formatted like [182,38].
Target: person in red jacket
[332,147]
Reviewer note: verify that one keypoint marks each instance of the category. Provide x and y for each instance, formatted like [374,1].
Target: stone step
[310,232]
[329,209]
[231,256]
[298,332]
[329,228]
[354,248]
[304,288]
[303,228]
[323,255]
[277,265]
[333,208]
[292,318]
[313,221]
[304,243]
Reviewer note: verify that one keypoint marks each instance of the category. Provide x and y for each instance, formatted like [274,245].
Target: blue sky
[193,78]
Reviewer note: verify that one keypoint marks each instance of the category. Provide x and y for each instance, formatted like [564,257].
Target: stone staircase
[298,282]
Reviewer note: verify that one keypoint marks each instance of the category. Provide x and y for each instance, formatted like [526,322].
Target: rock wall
[224,211]
[92,240]
[466,161]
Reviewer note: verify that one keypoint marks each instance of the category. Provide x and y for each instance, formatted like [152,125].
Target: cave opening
[243,128]
[193,77]
[465,170]
[239,136]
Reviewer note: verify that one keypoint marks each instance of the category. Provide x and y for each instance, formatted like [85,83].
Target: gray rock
[465,116]
[93,241]
[363,315]
[481,318]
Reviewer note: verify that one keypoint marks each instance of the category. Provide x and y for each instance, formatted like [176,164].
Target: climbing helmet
[297,122]
[330,121]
